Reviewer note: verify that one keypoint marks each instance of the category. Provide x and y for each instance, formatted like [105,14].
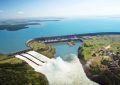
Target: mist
[65,71]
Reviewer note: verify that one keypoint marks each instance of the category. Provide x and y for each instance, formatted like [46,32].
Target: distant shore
[14,26]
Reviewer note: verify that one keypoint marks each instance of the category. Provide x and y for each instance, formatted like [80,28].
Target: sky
[59,8]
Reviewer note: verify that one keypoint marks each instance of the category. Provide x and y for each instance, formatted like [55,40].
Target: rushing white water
[63,71]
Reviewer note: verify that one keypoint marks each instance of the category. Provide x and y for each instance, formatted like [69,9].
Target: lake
[12,41]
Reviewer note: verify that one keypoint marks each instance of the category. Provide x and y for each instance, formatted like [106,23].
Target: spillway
[58,71]
[33,59]
[31,63]
[39,56]
[36,58]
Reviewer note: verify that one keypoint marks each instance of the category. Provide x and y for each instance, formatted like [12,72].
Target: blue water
[63,49]
[12,41]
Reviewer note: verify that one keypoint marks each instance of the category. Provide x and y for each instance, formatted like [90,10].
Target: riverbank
[100,56]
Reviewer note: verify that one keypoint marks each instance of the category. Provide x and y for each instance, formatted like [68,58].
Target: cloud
[20,12]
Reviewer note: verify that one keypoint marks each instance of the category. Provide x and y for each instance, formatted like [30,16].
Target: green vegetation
[14,71]
[103,51]
[96,43]
[42,48]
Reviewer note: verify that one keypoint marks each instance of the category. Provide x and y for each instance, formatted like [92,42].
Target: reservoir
[12,41]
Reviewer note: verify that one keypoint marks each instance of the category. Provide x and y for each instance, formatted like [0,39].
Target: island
[100,56]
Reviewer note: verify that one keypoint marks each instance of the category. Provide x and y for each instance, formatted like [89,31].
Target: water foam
[64,71]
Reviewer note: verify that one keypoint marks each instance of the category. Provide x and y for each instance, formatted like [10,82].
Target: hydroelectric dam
[39,59]
[63,69]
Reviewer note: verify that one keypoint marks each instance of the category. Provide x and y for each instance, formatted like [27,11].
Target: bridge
[33,58]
